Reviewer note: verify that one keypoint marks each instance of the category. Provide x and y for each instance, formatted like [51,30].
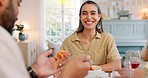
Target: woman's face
[89,16]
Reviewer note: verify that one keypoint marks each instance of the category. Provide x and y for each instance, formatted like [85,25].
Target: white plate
[96,74]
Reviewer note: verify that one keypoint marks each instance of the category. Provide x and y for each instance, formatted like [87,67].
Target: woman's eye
[84,13]
[93,13]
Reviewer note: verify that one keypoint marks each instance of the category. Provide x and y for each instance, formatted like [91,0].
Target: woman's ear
[100,15]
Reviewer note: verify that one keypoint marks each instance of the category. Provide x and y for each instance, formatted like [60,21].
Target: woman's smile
[89,22]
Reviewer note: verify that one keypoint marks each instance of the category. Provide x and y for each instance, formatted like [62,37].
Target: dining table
[125,73]
[138,73]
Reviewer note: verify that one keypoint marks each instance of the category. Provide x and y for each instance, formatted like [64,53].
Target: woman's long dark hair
[99,27]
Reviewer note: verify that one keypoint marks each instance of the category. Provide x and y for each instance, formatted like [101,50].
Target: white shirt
[12,63]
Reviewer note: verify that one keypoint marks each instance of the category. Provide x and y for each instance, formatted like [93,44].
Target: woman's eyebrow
[90,11]
[84,11]
[93,11]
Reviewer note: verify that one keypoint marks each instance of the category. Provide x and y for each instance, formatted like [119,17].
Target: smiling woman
[89,39]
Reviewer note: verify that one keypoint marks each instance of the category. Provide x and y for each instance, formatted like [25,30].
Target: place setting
[96,72]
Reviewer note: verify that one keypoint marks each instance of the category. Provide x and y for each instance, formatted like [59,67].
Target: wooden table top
[138,73]
[125,73]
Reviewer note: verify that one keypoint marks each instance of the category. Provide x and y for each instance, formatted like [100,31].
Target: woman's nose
[89,16]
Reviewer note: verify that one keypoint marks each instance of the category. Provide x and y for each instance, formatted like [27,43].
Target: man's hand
[77,67]
[44,66]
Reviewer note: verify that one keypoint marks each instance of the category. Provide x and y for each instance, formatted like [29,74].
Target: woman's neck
[89,34]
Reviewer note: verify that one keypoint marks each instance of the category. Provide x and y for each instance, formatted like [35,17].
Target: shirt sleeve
[113,53]
[64,46]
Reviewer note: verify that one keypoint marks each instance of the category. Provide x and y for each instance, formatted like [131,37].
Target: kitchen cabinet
[128,34]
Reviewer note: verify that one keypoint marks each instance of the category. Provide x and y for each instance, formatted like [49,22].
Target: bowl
[96,71]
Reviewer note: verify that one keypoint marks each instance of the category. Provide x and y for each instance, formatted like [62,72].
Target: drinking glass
[134,60]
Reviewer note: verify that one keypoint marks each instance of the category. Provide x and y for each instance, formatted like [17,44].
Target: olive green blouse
[102,49]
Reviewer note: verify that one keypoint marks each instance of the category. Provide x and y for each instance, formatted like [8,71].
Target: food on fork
[60,56]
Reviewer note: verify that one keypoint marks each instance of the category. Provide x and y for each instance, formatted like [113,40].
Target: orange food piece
[61,55]
[93,68]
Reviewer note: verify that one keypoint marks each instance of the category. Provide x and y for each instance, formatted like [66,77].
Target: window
[62,19]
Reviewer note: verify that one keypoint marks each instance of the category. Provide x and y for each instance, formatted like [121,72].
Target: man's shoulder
[4,34]
[6,40]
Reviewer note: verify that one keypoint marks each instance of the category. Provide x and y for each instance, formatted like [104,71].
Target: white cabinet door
[29,51]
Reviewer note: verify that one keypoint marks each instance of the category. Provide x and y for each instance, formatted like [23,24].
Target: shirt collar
[75,37]
[98,35]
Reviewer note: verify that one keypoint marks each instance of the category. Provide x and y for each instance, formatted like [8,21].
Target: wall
[30,11]
[112,7]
